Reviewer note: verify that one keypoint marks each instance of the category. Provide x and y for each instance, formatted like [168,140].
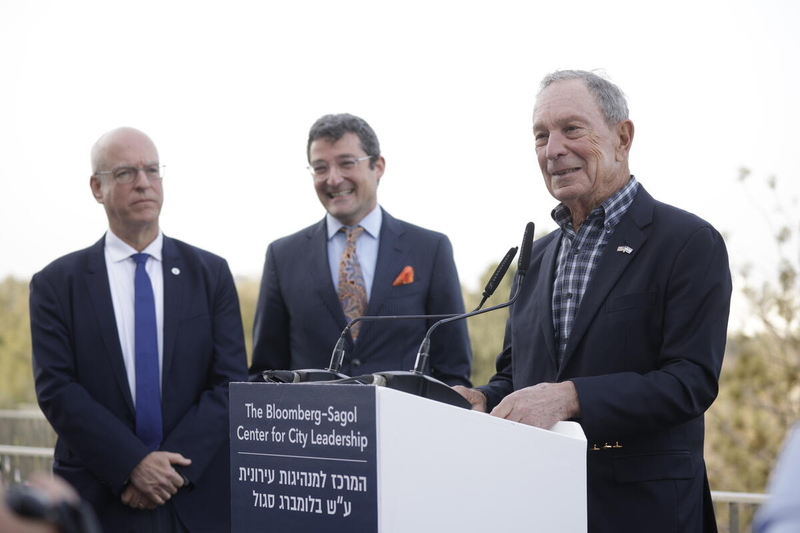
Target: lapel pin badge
[176,270]
[624,249]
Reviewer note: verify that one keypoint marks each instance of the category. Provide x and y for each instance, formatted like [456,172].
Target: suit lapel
[611,266]
[172,267]
[100,294]
[392,251]
[315,256]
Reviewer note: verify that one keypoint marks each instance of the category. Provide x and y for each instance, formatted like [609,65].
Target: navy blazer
[645,355]
[299,318]
[83,390]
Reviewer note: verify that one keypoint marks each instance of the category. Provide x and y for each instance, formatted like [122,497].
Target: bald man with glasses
[135,340]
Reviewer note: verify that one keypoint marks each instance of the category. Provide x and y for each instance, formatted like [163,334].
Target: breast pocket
[635,321]
[633,301]
[410,290]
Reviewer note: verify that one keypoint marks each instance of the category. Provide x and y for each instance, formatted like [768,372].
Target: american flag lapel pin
[624,249]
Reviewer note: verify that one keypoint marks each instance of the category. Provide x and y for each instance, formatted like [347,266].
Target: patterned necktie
[148,397]
[352,289]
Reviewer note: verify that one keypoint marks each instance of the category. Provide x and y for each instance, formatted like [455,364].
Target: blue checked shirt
[579,254]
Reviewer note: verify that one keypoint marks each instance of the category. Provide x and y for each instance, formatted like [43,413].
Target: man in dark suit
[358,260]
[621,321]
[135,340]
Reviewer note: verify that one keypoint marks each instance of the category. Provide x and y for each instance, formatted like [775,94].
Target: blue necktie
[148,397]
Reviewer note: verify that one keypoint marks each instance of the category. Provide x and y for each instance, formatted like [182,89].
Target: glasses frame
[135,174]
[323,177]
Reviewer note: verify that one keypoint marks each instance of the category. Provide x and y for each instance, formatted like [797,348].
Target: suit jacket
[83,390]
[644,354]
[299,318]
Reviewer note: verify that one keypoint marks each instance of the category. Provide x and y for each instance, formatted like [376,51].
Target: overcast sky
[229,89]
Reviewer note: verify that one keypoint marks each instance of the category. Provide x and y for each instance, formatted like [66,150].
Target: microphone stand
[416,381]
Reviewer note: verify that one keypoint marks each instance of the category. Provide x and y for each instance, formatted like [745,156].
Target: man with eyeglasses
[358,260]
[135,340]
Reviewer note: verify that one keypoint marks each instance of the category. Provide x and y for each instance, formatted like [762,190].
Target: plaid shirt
[579,254]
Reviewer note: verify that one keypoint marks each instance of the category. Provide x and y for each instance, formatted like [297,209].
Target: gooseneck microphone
[499,274]
[416,381]
[337,356]
[522,268]
[332,372]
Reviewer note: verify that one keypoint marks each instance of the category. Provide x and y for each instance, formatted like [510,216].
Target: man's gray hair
[608,96]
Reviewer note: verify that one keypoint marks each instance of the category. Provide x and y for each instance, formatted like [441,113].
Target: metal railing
[17,463]
[739,508]
[26,441]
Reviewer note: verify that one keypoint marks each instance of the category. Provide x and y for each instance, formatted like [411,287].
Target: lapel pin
[624,249]
[176,270]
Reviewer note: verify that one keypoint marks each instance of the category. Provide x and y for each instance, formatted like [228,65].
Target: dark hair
[334,127]
[608,96]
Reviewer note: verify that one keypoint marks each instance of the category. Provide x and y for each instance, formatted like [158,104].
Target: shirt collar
[371,223]
[118,250]
[610,211]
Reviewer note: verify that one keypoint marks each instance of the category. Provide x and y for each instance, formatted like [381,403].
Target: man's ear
[97,189]
[380,167]
[624,131]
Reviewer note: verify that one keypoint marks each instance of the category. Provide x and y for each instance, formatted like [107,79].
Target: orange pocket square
[405,277]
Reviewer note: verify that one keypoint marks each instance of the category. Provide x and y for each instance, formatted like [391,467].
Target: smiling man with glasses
[358,260]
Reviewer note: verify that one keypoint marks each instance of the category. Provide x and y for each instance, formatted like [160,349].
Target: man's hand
[541,405]
[475,397]
[156,479]
[133,497]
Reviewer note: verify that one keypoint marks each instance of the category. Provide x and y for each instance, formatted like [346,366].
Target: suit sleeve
[204,427]
[271,345]
[685,380]
[451,355]
[97,438]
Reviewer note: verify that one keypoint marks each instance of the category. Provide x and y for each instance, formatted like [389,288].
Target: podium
[361,458]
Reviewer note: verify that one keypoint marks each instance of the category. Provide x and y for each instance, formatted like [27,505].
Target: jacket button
[356,363]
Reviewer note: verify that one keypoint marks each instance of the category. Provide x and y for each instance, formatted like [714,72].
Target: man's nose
[141,181]
[555,146]
[335,175]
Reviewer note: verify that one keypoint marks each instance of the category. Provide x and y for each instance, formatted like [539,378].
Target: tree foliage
[759,396]
[16,377]
[486,331]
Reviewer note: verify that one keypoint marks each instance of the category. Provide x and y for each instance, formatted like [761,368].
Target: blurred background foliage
[759,396]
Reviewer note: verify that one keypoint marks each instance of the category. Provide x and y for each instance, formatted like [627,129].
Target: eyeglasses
[129,174]
[320,171]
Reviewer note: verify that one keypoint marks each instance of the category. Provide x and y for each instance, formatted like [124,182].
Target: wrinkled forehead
[563,101]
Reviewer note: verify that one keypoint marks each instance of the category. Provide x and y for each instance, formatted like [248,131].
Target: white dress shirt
[121,273]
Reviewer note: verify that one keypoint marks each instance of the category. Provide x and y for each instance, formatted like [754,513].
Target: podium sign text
[303,458]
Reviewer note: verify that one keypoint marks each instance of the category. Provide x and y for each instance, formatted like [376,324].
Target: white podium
[443,468]
[396,463]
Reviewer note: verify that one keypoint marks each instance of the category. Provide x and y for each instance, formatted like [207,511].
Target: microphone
[522,268]
[337,357]
[331,373]
[415,381]
[412,382]
[525,254]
